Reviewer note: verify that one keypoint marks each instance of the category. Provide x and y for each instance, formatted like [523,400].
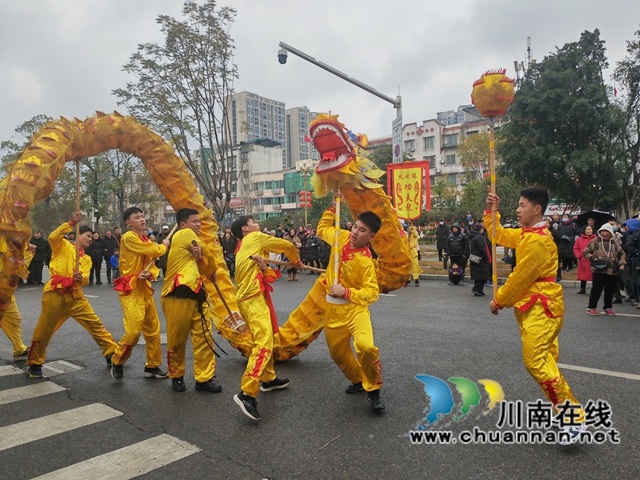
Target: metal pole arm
[395,102]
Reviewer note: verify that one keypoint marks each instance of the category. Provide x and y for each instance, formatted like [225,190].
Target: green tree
[627,74]
[474,196]
[382,156]
[444,195]
[182,90]
[562,128]
[474,155]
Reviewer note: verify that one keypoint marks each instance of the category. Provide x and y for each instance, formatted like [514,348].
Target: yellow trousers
[183,318]
[140,316]
[540,353]
[11,326]
[255,312]
[56,309]
[342,323]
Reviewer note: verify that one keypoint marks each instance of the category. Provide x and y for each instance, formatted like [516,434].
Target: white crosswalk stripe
[43,427]
[29,391]
[127,462]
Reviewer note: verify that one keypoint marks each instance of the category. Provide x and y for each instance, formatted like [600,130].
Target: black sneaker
[116,372]
[212,386]
[21,356]
[617,300]
[248,405]
[178,384]
[355,388]
[274,384]
[156,372]
[581,292]
[35,371]
[108,359]
[375,401]
[417,283]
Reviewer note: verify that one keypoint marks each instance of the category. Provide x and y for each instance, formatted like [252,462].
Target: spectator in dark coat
[568,232]
[325,253]
[442,238]
[458,248]
[313,251]
[109,243]
[553,226]
[96,252]
[302,236]
[37,263]
[481,270]
[229,244]
[161,263]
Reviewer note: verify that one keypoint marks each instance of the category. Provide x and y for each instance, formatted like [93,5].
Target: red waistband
[546,279]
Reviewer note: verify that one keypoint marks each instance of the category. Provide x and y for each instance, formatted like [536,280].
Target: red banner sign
[408,186]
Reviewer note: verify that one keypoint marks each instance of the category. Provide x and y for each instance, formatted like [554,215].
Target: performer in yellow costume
[63,297]
[136,296]
[414,248]
[11,321]
[347,315]
[537,300]
[253,278]
[184,303]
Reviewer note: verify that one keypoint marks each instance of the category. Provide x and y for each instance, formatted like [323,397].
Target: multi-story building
[296,129]
[438,143]
[462,115]
[252,117]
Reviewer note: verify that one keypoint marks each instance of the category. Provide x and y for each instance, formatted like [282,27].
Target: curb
[501,281]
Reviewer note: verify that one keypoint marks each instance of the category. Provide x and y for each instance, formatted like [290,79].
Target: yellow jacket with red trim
[135,255]
[63,262]
[356,271]
[258,243]
[182,267]
[533,278]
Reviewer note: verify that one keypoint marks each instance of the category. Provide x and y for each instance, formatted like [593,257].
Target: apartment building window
[409,146]
[450,159]
[452,179]
[429,142]
[432,161]
[450,140]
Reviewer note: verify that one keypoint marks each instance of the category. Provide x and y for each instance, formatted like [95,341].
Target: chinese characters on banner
[408,185]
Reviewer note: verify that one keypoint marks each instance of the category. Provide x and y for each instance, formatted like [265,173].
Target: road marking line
[630,376]
[10,370]
[91,296]
[29,391]
[128,462]
[387,295]
[49,425]
[622,315]
[58,368]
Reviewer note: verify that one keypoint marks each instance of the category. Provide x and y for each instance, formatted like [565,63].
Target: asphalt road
[313,429]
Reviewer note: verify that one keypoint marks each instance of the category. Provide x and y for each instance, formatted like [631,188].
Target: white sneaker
[571,434]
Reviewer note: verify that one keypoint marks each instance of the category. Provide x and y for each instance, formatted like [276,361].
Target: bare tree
[182,90]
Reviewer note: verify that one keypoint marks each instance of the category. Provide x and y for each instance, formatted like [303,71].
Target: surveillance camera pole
[397,102]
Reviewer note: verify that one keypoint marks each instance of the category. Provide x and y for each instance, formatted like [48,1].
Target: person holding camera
[607,259]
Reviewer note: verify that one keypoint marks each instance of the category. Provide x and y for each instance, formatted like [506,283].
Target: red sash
[266,289]
[123,284]
[63,285]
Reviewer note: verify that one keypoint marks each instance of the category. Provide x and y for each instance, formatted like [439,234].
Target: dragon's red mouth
[334,147]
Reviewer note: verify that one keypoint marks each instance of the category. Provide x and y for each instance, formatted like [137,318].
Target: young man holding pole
[184,303]
[136,296]
[253,279]
[537,300]
[62,296]
[351,288]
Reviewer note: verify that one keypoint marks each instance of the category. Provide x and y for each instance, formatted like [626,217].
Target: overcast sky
[64,57]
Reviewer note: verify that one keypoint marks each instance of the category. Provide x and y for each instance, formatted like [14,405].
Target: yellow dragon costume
[32,176]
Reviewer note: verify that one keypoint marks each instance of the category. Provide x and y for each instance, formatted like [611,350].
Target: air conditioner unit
[438,170]
[259,193]
[277,206]
[442,162]
[411,149]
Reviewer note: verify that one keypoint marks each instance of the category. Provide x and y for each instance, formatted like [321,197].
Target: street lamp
[305,167]
[282,58]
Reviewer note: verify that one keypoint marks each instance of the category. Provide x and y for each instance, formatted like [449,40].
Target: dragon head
[336,145]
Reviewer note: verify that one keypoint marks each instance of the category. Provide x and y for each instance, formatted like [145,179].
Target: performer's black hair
[371,220]
[84,229]
[537,196]
[238,223]
[183,214]
[130,211]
